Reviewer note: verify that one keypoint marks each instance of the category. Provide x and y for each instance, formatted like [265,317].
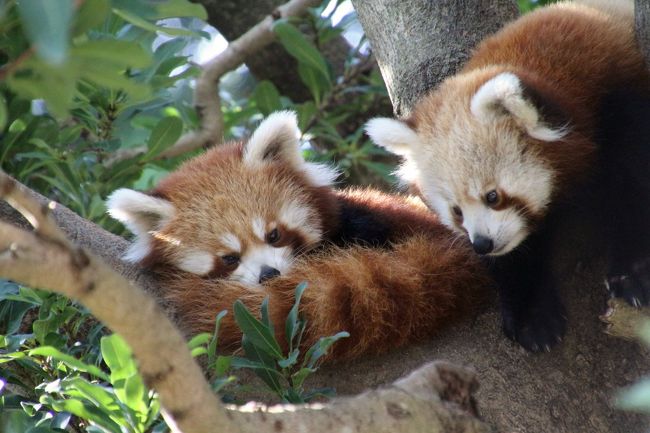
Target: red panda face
[239,212]
[475,156]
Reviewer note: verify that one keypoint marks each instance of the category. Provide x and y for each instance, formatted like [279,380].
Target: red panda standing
[497,148]
[246,221]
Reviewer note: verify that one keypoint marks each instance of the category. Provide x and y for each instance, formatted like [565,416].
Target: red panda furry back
[379,266]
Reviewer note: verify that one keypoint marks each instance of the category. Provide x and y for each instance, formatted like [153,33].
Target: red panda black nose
[482,245]
[267,273]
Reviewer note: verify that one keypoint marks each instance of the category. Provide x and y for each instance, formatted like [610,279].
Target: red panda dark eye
[230,260]
[492,197]
[457,211]
[273,236]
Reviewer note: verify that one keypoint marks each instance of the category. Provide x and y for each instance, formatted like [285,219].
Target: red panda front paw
[631,282]
[538,329]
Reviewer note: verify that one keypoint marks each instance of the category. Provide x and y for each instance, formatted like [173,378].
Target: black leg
[532,311]
[624,194]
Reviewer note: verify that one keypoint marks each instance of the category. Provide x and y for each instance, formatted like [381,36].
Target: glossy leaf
[167,132]
[69,360]
[299,47]
[180,8]
[267,97]
[112,53]
[292,324]
[47,24]
[255,331]
[117,355]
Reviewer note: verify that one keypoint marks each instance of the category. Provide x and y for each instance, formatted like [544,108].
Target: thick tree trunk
[418,43]
[273,62]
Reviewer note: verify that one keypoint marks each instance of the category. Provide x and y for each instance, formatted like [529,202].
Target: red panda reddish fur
[379,266]
[504,147]
[383,298]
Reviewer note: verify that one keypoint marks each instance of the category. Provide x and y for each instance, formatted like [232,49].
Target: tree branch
[440,36]
[437,395]
[206,92]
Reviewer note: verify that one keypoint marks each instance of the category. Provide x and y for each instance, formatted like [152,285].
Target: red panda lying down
[500,148]
[251,220]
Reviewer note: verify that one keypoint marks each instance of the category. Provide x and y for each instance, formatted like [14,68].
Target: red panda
[496,149]
[251,220]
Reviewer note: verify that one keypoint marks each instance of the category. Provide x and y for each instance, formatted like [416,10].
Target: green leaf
[321,347]
[69,360]
[180,8]
[635,398]
[289,360]
[258,334]
[167,132]
[319,392]
[12,314]
[306,111]
[135,394]
[266,319]
[83,410]
[146,25]
[212,346]
[4,114]
[47,24]
[113,53]
[80,388]
[114,79]
[267,97]
[220,383]
[117,355]
[291,326]
[199,340]
[198,351]
[300,48]
[313,80]
[298,378]
[91,14]
[271,377]
[222,365]
[39,80]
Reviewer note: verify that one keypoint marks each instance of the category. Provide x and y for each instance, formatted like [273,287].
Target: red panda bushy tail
[384,298]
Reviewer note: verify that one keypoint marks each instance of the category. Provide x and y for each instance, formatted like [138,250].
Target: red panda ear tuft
[506,94]
[142,214]
[277,139]
[393,135]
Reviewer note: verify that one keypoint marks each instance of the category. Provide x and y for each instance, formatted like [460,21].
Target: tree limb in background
[439,395]
[426,41]
[273,62]
[206,92]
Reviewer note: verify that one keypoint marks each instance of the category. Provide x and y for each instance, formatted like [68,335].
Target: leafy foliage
[59,379]
[281,372]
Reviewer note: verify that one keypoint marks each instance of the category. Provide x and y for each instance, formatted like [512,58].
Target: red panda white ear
[393,135]
[277,139]
[141,214]
[505,93]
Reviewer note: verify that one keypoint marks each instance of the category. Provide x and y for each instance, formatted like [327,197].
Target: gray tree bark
[273,62]
[418,43]
[642,14]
